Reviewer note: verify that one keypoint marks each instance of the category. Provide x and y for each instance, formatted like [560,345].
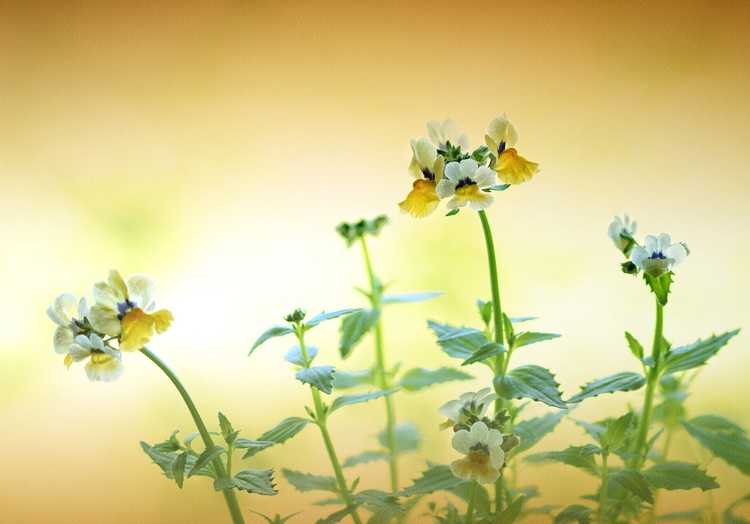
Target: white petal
[501,130]
[104,294]
[83,308]
[104,371]
[455,203]
[445,188]
[664,241]
[677,253]
[104,320]
[485,201]
[494,439]
[462,140]
[433,131]
[451,410]
[453,171]
[66,307]
[497,457]
[638,255]
[62,339]
[57,320]
[479,432]
[140,290]
[78,352]
[83,340]
[462,441]
[468,167]
[425,153]
[96,342]
[614,230]
[651,244]
[484,177]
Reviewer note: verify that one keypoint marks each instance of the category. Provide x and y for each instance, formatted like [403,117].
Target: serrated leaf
[406,437]
[205,458]
[534,382]
[574,513]
[723,441]
[632,481]
[276,519]
[354,327]
[322,317]
[458,342]
[166,459]
[385,504]
[481,497]
[295,356]
[283,431]
[364,458]
[309,482]
[171,444]
[485,310]
[526,338]
[679,475]
[660,286]
[352,379]
[348,400]
[272,332]
[404,298]
[617,431]
[635,347]
[697,353]
[436,478]
[420,378]
[320,377]
[258,481]
[581,457]
[533,430]
[178,468]
[623,381]
[489,350]
[337,516]
[252,446]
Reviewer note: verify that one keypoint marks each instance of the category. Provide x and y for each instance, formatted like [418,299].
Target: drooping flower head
[511,167]
[104,362]
[427,168]
[622,231]
[464,181]
[469,406]
[125,310]
[484,455]
[658,255]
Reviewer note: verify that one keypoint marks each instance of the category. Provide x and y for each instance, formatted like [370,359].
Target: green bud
[510,442]
[353,231]
[296,316]
[629,268]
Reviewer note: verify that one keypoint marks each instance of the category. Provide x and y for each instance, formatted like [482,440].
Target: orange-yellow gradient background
[216,145]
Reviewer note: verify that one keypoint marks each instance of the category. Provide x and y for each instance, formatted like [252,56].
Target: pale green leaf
[352,379]
[489,350]
[275,331]
[364,458]
[632,481]
[295,356]
[623,381]
[723,441]
[354,327]
[534,382]
[258,481]
[679,475]
[406,436]
[697,353]
[279,434]
[526,338]
[574,513]
[581,457]
[322,317]
[320,377]
[205,458]
[533,430]
[309,482]
[348,400]
[635,347]
[436,478]
[458,342]
[178,468]
[420,378]
[410,297]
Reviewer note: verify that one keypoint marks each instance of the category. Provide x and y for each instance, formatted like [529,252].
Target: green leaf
[279,434]
[489,350]
[380,502]
[337,516]
[623,381]
[485,311]
[679,475]
[205,458]
[410,297]
[406,438]
[697,353]
[276,519]
[481,497]
[420,378]
[617,431]
[694,515]
[717,423]
[259,481]
[632,481]
[498,187]
[352,379]
[322,317]
[275,331]
[574,513]
[510,514]
[227,431]
[581,457]
[452,212]
[635,347]
[171,444]
[295,356]
[534,382]
[526,338]
[533,430]
[348,400]
[320,377]
[436,478]
[364,458]
[724,441]
[309,482]
[354,327]
[166,459]
[252,446]
[660,286]
[178,468]
[458,342]
[730,517]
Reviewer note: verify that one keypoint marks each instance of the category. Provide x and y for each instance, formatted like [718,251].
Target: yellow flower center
[469,192]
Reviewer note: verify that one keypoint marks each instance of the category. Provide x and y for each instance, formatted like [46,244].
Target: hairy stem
[229,494]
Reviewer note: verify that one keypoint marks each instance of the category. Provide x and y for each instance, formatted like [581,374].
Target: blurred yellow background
[215,146]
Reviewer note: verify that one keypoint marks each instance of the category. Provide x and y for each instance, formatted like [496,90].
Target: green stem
[380,369]
[229,494]
[470,506]
[644,421]
[320,417]
[497,317]
[604,488]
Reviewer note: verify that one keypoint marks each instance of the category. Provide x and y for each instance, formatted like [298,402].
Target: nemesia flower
[658,255]
[621,231]
[442,133]
[104,362]
[123,310]
[69,314]
[427,167]
[456,411]
[511,167]
[464,182]
[484,453]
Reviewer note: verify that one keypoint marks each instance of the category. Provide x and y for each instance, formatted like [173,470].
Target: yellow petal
[162,320]
[421,200]
[68,360]
[512,168]
[137,328]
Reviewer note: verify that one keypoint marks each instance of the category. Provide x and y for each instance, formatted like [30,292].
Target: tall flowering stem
[381,374]
[229,495]
[321,415]
[497,316]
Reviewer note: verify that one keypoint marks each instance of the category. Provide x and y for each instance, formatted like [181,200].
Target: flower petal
[453,171]
[162,320]
[62,339]
[677,253]
[479,432]
[104,319]
[484,177]
[468,167]
[639,255]
[66,307]
[497,457]
[137,329]
[462,441]
[103,368]
[446,188]
[140,290]
[425,153]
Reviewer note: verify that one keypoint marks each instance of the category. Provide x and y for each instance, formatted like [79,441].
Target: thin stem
[380,368]
[229,494]
[320,417]
[604,488]
[644,421]
[470,506]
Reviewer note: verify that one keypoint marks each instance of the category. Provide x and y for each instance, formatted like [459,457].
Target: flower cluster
[353,231]
[657,256]
[121,319]
[445,168]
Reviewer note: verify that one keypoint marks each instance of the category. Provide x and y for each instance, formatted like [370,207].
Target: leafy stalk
[320,418]
[603,493]
[381,374]
[229,494]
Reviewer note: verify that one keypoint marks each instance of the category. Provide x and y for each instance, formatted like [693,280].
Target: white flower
[447,131]
[427,167]
[104,363]
[464,182]
[484,453]
[658,255]
[476,403]
[500,134]
[621,231]
[69,314]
